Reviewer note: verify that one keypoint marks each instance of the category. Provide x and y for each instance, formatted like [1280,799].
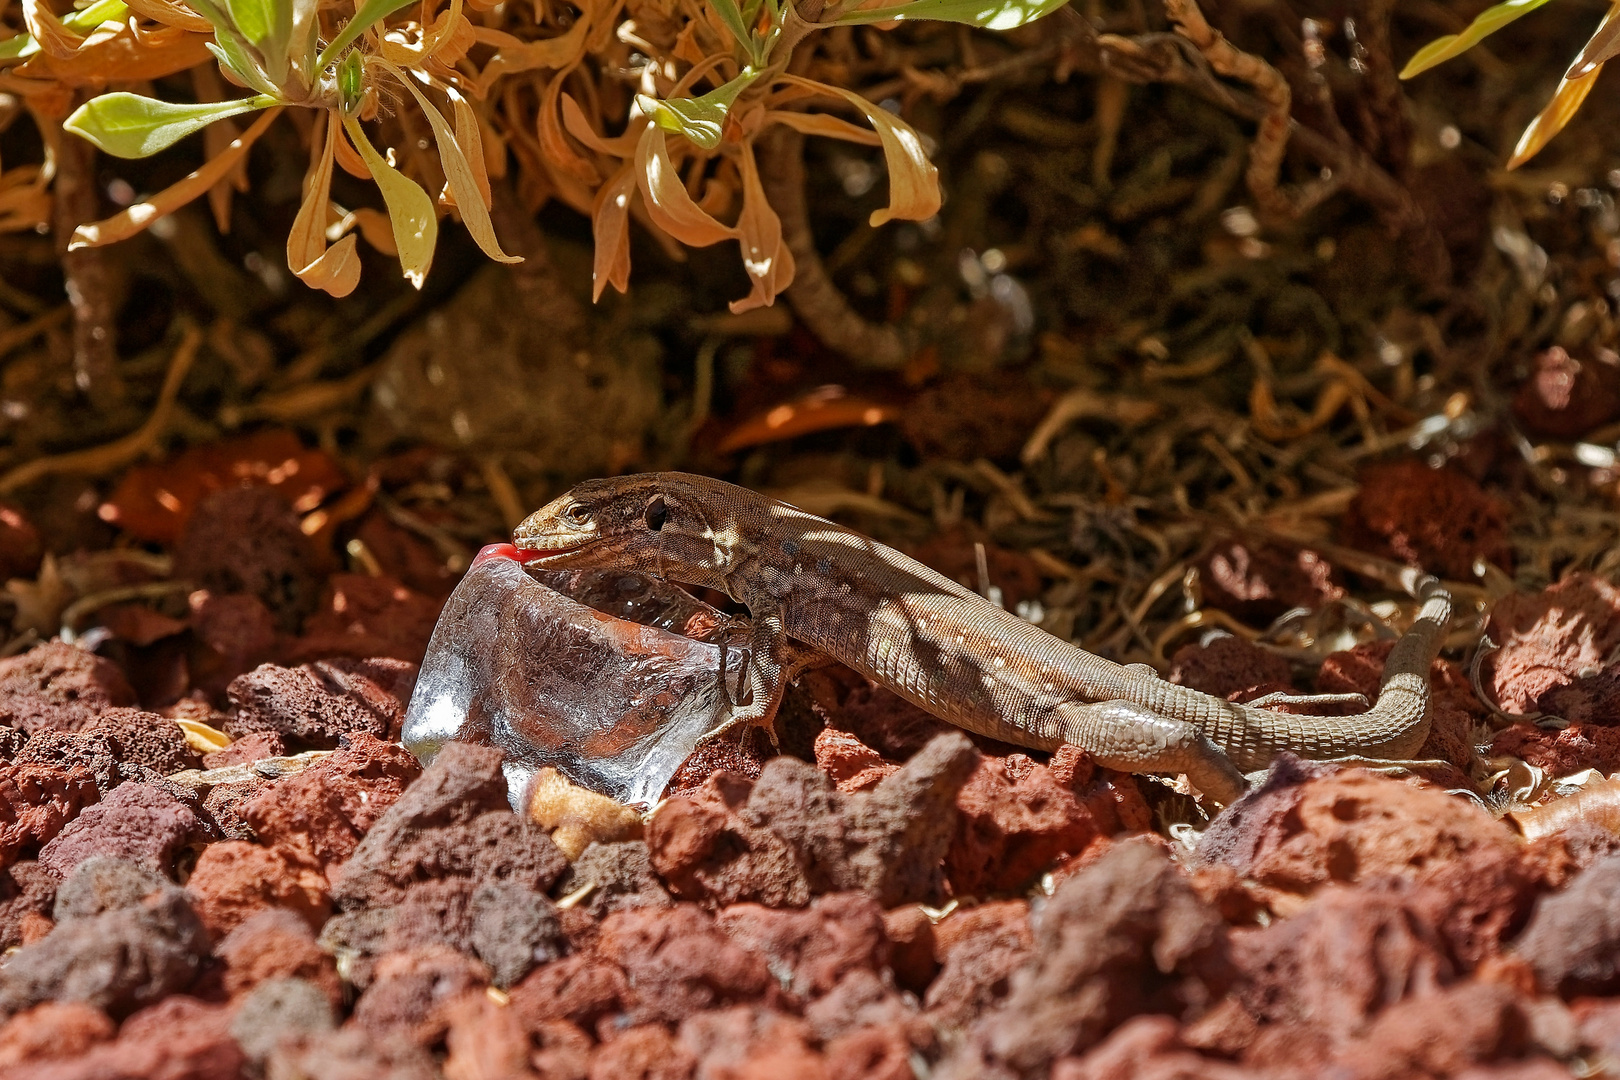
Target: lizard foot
[746,717]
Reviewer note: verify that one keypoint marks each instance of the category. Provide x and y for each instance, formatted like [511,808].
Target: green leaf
[267,26]
[732,16]
[703,119]
[234,58]
[410,209]
[1489,22]
[989,14]
[369,13]
[130,126]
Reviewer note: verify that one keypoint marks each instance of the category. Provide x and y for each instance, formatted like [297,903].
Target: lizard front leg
[1132,738]
[770,658]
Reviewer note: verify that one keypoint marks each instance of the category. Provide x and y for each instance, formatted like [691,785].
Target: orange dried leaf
[154,502]
[1566,102]
[821,410]
[171,13]
[124,57]
[610,229]
[55,40]
[1597,804]
[766,258]
[669,204]
[826,126]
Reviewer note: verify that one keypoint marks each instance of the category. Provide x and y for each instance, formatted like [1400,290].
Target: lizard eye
[657,513]
[578,514]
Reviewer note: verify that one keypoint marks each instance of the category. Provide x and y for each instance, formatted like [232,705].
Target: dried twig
[1271,140]
[120,452]
[813,295]
[89,272]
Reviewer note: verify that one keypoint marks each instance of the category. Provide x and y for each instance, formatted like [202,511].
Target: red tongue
[505,551]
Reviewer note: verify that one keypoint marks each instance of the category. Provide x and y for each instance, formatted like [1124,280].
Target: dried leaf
[458,174]
[371,224]
[53,38]
[820,410]
[138,216]
[368,13]
[514,55]
[1485,24]
[123,58]
[766,259]
[913,181]
[668,202]
[1601,46]
[1566,102]
[573,118]
[469,134]
[826,126]
[610,229]
[1597,803]
[559,155]
[335,271]
[171,13]
[416,226]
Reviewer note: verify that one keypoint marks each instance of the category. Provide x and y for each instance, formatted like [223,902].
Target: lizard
[808,580]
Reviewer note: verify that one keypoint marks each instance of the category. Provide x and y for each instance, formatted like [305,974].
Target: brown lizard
[947,649]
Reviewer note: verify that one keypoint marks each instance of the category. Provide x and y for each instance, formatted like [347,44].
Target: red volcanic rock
[276,943]
[452,822]
[1551,639]
[364,616]
[324,810]
[1230,667]
[792,835]
[27,891]
[410,990]
[977,949]
[678,962]
[248,540]
[137,822]
[118,961]
[52,1031]
[1438,519]
[647,1052]
[1564,751]
[1125,934]
[319,703]
[852,764]
[1564,398]
[58,687]
[810,951]
[1014,820]
[1257,583]
[36,801]
[234,879]
[581,990]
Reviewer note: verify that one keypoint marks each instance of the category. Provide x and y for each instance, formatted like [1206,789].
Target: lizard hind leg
[1132,738]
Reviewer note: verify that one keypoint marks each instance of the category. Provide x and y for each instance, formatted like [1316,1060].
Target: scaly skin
[945,648]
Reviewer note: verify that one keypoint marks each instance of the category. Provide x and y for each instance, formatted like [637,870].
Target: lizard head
[651,522]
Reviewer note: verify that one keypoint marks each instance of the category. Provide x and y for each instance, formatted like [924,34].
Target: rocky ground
[191,893]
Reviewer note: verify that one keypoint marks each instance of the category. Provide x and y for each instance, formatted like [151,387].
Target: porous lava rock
[118,961]
[325,810]
[59,687]
[1126,934]
[316,704]
[1309,825]
[234,879]
[793,835]
[138,823]
[36,802]
[452,822]
[246,539]
[1230,667]
[1549,639]
[1572,941]
[1438,519]
[1014,820]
